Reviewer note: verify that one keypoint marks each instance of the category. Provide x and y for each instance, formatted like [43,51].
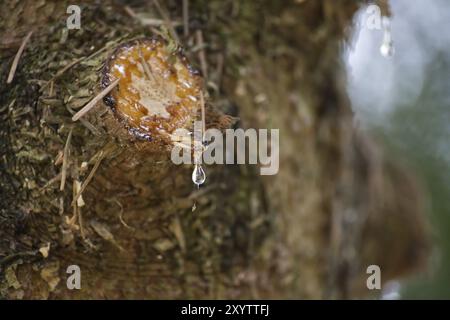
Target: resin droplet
[387,49]
[198,175]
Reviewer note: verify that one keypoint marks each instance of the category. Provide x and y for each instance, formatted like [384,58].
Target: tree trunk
[335,207]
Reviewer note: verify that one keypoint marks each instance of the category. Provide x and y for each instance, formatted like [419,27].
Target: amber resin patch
[158,90]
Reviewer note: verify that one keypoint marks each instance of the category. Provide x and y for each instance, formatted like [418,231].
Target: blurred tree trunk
[335,207]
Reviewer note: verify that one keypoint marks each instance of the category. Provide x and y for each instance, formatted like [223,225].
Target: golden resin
[158,91]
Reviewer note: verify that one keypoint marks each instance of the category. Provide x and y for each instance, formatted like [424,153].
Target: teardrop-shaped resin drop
[387,49]
[198,175]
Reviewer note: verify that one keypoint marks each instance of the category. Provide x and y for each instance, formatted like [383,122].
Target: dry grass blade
[201,53]
[89,178]
[167,21]
[94,101]
[77,209]
[146,67]
[65,161]
[51,181]
[130,12]
[186,17]
[146,21]
[12,71]
[202,103]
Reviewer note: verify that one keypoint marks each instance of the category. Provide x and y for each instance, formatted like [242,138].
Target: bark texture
[336,206]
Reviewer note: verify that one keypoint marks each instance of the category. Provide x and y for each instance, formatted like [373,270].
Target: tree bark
[336,206]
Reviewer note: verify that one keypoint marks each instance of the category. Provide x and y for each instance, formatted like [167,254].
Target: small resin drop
[198,175]
[387,49]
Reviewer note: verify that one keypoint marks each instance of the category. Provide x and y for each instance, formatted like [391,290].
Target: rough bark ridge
[308,232]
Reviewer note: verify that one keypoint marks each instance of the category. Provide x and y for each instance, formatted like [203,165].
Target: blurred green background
[404,102]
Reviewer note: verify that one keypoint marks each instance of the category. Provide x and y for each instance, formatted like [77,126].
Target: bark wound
[158,90]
